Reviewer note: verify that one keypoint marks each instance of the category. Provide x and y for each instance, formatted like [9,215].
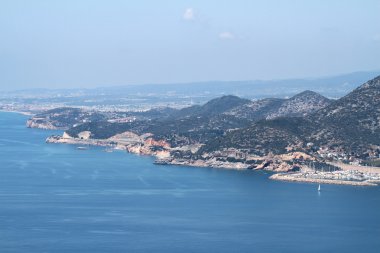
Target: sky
[92,43]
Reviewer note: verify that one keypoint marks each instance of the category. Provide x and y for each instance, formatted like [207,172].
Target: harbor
[341,177]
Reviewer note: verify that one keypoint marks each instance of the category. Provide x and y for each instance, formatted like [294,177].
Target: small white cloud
[189,14]
[226,36]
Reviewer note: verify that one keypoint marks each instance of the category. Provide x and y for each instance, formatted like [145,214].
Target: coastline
[138,145]
[205,164]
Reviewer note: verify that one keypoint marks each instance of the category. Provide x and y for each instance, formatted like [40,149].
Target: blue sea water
[55,198]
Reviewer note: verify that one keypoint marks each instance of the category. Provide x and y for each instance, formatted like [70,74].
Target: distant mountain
[330,86]
[299,105]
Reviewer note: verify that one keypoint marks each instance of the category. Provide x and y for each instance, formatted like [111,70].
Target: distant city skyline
[86,44]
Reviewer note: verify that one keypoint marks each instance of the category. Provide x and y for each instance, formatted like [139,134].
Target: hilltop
[301,104]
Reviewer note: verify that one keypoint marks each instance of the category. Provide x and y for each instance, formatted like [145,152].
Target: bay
[56,198]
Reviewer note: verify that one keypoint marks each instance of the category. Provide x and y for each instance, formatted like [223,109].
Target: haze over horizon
[86,44]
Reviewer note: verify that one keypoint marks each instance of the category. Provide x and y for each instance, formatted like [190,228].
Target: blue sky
[90,43]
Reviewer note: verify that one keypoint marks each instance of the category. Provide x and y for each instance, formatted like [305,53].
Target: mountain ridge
[348,125]
[300,104]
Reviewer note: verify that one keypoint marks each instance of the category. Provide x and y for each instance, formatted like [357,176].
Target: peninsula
[306,138]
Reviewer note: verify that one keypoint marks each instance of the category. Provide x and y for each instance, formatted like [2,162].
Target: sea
[56,198]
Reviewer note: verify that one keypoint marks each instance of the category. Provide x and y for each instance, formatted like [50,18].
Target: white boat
[319,187]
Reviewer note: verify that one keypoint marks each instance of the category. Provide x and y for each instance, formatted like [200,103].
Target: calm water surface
[55,198]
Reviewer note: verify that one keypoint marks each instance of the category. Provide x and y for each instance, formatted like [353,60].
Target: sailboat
[319,187]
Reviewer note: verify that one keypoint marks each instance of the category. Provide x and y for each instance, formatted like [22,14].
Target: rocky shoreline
[351,177]
[33,123]
[145,145]
[74,141]
[204,163]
